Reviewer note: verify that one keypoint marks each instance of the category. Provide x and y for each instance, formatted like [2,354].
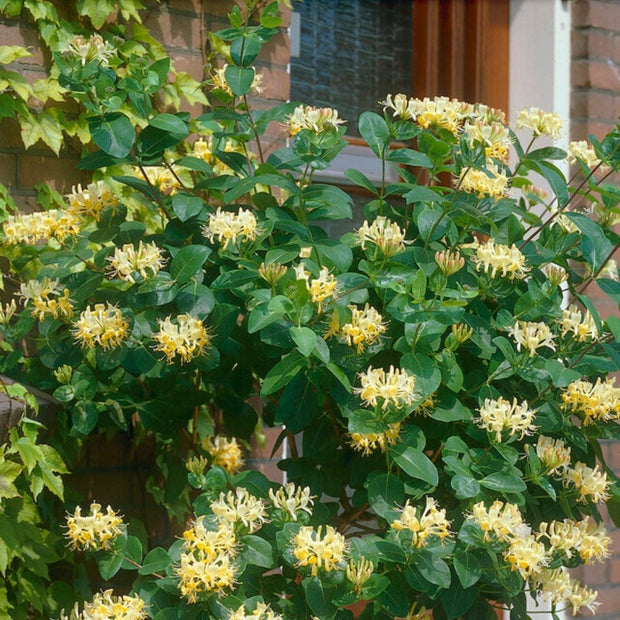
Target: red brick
[188,63]
[580,74]
[579,44]
[580,13]
[604,75]
[604,14]
[579,104]
[269,468]
[277,51]
[264,452]
[59,174]
[601,105]
[174,30]
[10,136]
[277,83]
[188,6]
[617,49]
[8,170]
[601,43]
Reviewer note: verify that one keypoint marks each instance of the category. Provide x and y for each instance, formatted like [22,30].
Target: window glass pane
[352,53]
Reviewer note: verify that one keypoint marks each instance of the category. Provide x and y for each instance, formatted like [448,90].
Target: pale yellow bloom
[439,112]
[261,612]
[564,222]
[107,606]
[45,299]
[431,522]
[559,588]
[313,119]
[497,416]
[7,311]
[553,453]
[500,259]
[541,123]
[227,226]
[365,328]
[494,136]
[163,178]
[358,573]
[240,507]
[598,401]
[93,48]
[503,520]
[383,233]
[188,338]
[91,201]
[609,270]
[102,325]
[591,483]
[531,336]
[392,388]
[225,453]
[326,552]
[562,535]
[367,443]
[95,530]
[526,555]
[557,275]
[449,262]
[292,500]
[583,151]
[534,195]
[146,260]
[322,287]
[207,559]
[35,227]
[493,182]
[608,217]
[594,543]
[582,327]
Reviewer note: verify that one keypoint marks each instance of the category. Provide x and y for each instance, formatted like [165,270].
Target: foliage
[443,405]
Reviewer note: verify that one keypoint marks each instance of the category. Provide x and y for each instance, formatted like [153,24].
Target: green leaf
[434,570]
[113,133]
[110,565]
[96,10]
[385,493]
[304,338]
[415,463]
[187,262]
[244,51]
[239,79]
[410,157]
[9,53]
[375,131]
[257,551]
[560,375]
[465,486]
[360,179]
[427,375]
[186,206]
[503,482]
[315,595]
[84,417]
[156,561]
[282,373]
[9,471]
[467,568]
[132,551]
[298,405]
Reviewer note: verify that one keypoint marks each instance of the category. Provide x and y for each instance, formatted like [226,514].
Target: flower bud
[449,262]
[271,273]
[63,374]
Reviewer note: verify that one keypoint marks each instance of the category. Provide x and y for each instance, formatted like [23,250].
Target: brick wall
[595,104]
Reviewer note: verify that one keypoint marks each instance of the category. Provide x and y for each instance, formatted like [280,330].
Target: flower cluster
[317,120]
[497,416]
[430,523]
[558,587]
[225,453]
[228,226]
[591,483]
[598,401]
[164,178]
[554,454]
[92,49]
[526,555]
[91,201]
[127,261]
[46,300]
[494,136]
[326,552]
[584,152]
[292,500]
[320,288]
[392,388]
[103,325]
[500,258]
[532,336]
[32,228]
[581,326]
[502,520]
[107,606]
[541,123]
[207,559]
[365,328]
[187,338]
[240,507]
[95,530]
[491,182]
[260,612]
[585,537]
[367,443]
[384,234]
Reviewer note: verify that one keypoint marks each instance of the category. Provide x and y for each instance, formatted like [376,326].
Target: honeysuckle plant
[438,373]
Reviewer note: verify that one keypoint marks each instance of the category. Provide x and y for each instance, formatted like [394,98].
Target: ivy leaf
[96,10]
[9,471]
[9,53]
